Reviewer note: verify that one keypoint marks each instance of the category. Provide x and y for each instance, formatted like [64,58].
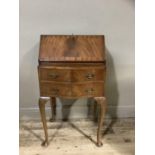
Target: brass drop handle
[89,91]
[55,91]
[53,75]
[90,75]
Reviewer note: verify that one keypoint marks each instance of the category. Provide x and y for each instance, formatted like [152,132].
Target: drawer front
[93,74]
[50,74]
[88,89]
[52,89]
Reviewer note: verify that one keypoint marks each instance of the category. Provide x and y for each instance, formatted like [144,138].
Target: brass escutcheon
[53,75]
[90,75]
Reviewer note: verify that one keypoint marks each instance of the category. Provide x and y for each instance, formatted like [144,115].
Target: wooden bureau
[71,66]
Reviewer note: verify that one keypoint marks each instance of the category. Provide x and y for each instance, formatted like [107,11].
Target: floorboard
[78,137]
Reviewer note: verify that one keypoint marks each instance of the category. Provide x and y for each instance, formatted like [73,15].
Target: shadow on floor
[32,132]
[38,136]
[80,131]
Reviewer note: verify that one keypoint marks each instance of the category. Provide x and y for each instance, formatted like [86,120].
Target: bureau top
[72,48]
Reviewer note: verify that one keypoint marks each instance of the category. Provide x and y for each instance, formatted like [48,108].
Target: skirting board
[76,113]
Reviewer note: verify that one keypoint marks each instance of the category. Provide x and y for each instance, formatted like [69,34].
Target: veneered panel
[68,48]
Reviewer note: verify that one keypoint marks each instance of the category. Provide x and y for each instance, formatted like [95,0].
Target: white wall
[113,18]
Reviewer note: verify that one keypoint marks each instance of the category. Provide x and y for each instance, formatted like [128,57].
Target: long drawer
[87,89]
[81,74]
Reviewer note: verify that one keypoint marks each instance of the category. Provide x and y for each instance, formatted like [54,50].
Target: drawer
[89,74]
[54,74]
[53,89]
[88,89]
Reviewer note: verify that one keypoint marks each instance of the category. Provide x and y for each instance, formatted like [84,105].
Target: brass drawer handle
[90,75]
[53,75]
[55,91]
[89,91]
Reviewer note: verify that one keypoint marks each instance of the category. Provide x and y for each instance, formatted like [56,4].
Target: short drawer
[88,89]
[51,74]
[91,74]
[53,89]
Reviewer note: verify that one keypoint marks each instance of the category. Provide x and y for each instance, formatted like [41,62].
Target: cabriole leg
[42,102]
[102,102]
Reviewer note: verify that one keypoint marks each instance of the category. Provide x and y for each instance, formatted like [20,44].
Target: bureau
[71,66]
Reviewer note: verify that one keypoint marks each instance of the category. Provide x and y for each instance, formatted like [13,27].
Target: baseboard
[76,112]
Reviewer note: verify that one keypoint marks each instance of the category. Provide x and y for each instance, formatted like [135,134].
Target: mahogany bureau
[71,66]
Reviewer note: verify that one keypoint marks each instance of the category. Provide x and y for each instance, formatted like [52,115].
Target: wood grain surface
[72,74]
[69,48]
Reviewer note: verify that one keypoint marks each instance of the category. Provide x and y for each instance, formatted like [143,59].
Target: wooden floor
[77,138]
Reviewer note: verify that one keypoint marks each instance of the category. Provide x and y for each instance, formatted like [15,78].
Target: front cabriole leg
[102,102]
[42,102]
